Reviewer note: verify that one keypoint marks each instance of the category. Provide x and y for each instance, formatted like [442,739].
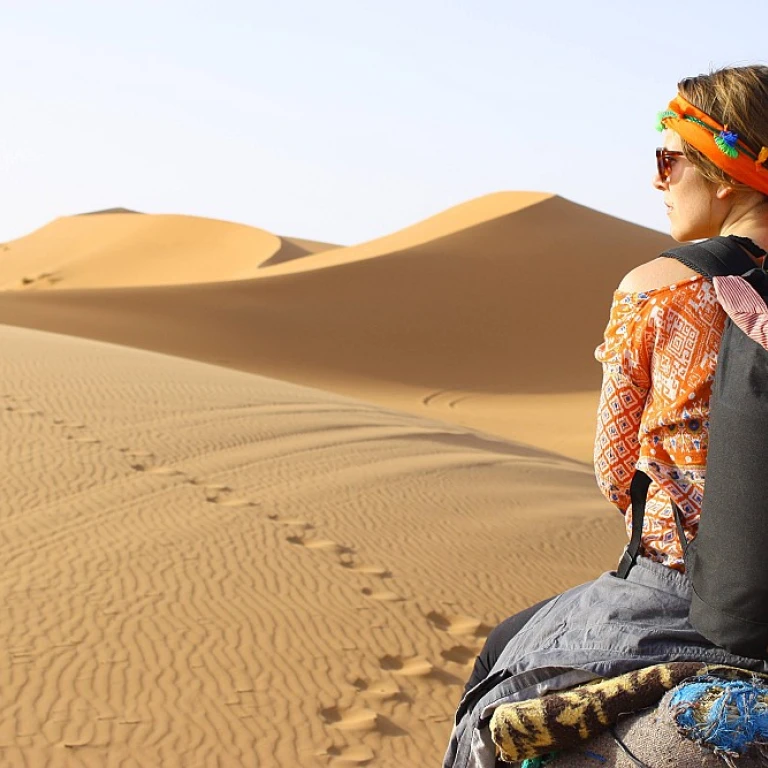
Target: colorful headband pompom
[761,158]
[662,116]
[726,142]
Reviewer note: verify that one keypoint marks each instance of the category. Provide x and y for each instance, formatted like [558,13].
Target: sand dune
[512,302]
[118,247]
[459,218]
[119,209]
[206,567]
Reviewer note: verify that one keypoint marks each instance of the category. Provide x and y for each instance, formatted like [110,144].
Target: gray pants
[600,629]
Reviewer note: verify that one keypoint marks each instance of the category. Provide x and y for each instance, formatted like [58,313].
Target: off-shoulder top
[658,356]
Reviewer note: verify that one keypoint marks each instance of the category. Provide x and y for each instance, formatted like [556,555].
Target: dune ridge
[458,218]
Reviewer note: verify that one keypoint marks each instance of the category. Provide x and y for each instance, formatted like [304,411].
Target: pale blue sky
[343,120]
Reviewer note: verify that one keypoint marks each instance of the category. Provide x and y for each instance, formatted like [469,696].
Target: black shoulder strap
[680,528]
[638,493]
[717,256]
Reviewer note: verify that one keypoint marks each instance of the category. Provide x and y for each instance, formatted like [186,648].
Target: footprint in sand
[140,461]
[71,430]
[381,690]
[214,493]
[292,522]
[418,667]
[369,570]
[458,624]
[166,471]
[327,544]
[460,654]
[359,719]
[80,437]
[239,502]
[219,494]
[415,666]
[321,544]
[349,756]
[383,595]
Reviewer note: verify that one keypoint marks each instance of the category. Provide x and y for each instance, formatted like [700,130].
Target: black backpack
[727,562]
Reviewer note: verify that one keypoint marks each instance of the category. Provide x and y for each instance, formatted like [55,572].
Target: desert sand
[264,497]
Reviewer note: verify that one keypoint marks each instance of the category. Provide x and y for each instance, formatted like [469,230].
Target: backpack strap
[680,529]
[638,493]
[717,256]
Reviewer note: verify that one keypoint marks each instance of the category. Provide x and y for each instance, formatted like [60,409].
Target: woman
[658,358]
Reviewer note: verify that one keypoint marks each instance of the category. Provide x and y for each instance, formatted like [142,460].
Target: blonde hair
[736,97]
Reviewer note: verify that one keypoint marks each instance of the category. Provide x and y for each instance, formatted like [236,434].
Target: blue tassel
[726,141]
[728,716]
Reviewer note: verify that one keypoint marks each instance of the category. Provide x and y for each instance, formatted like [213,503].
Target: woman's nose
[658,183]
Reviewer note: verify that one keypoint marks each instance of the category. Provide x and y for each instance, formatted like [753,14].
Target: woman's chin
[679,235]
[691,229]
[684,234]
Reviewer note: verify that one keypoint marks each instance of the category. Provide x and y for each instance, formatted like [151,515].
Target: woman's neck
[751,222]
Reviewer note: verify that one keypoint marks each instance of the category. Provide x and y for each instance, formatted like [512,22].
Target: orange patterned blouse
[658,358]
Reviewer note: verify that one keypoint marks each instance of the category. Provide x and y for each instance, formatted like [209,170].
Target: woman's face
[692,205]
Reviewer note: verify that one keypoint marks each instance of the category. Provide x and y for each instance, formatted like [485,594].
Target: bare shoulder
[655,274]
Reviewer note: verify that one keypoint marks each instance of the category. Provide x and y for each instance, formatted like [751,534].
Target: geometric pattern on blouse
[658,356]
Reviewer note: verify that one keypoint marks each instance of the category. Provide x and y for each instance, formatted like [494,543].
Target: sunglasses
[664,162]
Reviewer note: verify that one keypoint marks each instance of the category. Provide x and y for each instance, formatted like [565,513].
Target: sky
[344,120]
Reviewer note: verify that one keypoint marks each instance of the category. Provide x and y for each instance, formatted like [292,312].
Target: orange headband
[723,147]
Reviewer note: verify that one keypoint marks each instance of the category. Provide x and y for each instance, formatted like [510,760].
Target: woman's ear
[724,191]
